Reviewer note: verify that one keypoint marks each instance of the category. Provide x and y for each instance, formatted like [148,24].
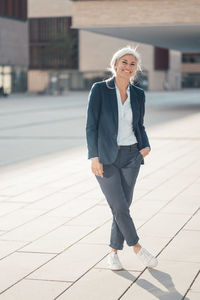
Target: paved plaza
[54,220]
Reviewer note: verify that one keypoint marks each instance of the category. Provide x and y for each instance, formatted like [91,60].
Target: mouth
[126,71]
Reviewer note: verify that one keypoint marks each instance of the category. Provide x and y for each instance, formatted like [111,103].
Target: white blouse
[125,135]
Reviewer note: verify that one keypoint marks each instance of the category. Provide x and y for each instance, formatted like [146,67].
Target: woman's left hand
[145,151]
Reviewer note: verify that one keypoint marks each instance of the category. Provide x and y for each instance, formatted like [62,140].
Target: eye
[124,62]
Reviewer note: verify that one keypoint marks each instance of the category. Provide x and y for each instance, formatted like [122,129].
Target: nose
[129,67]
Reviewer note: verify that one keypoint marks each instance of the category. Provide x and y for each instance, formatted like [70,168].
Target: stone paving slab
[35,289]
[34,229]
[58,240]
[18,265]
[8,247]
[96,285]
[70,265]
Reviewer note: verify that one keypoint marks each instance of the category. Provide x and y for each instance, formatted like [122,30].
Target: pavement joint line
[52,180]
[3,137]
[62,204]
[167,164]
[35,164]
[52,259]
[41,138]
[80,277]
[129,270]
[4,240]
[12,202]
[51,280]
[54,192]
[45,213]
[164,181]
[46,183]
[36,186]
[191,285]
[175,138]
[191,230]
[177,260]
[31,203]
[42,123]
[158,255]
[64,224]
[159,210]
[45,109]
[35,252]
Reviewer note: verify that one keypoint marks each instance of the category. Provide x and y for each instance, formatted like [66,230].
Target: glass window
[191,58]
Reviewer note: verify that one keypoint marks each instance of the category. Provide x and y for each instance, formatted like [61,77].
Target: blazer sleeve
[92,122]
[145,139]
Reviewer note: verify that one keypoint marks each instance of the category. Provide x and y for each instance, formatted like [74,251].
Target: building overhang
[185,38]
[161,23]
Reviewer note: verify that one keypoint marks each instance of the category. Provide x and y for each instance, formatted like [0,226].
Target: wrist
[148,148]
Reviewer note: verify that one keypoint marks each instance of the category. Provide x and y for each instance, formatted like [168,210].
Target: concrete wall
[191,68]
[13,42]
[49,8]
[38,80]
[128,12]
[174,74]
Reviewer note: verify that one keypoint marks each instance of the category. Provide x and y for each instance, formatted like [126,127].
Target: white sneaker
[113,261]
[147,258]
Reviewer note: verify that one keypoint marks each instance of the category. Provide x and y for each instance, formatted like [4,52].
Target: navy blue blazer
[102,120]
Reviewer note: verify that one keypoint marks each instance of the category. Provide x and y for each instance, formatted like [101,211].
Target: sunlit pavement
[55,222]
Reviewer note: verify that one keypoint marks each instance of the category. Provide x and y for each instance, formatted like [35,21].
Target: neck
[122,83]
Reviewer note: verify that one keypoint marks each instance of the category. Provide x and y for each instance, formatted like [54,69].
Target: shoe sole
[115,269]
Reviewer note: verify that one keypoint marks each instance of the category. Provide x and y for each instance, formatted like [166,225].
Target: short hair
[124,51]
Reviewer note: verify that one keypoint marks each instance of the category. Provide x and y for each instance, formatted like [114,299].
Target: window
[161,59]
[14,9]
[53,44]
[191,58]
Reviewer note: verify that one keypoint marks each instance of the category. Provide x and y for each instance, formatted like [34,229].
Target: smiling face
[126,66]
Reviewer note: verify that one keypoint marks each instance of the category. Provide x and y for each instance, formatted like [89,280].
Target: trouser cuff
[116,247]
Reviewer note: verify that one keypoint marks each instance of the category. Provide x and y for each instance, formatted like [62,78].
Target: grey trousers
[117,185]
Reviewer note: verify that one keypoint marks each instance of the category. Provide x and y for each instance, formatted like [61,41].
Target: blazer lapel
[134,105]
[113,99]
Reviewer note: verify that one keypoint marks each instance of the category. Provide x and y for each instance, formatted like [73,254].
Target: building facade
[158,27]
[14,54]
[101,28]
[191,70]
[53,47]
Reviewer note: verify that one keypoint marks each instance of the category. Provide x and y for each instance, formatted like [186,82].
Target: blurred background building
[14,46]
[168,34]
[53,47]
[67,45]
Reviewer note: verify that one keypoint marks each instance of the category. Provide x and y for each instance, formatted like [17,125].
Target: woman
[117,144]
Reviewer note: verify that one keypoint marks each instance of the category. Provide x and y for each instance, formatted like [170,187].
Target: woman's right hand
[97,167]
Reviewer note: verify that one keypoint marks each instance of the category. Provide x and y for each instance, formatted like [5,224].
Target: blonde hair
[124,51]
